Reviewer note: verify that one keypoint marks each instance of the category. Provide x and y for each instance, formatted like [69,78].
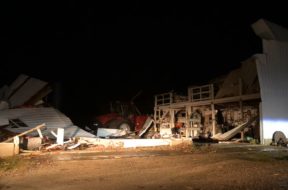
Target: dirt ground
[192,167]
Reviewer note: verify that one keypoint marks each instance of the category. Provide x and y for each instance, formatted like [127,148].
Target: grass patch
[10,163]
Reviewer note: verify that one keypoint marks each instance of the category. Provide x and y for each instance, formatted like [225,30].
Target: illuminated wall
[272,68]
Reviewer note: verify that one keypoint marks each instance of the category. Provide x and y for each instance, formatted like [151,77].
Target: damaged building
[22,109]
[250,102]
[215,108]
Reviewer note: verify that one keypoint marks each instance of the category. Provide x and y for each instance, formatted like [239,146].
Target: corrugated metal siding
[25,92]
[35,116]
[16,84]
[273,78]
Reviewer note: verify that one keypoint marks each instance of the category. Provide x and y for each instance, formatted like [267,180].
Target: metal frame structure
[199,97]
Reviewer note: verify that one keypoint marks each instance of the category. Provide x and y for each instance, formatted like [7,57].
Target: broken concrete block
[7,149]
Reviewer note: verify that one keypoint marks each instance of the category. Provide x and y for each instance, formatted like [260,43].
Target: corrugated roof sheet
[273,78]
[35,116]
[26,91]
[16,84]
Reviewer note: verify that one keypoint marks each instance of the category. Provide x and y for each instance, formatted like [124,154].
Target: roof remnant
[24,90]
[270,31]
[34,116]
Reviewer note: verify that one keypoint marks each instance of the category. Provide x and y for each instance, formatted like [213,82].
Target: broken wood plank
[229,134]
[40,133]
[26,132]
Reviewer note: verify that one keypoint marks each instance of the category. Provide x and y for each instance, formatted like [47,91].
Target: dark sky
[102,52]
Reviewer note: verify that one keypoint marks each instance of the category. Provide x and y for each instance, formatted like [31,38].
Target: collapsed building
[250,101]
[22,108]
[28,123]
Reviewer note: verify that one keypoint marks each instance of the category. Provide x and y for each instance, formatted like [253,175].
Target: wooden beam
[213,120]
[240,101]
[26,132]
[213,101]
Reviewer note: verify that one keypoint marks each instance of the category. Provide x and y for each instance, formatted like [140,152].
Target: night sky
[94,53]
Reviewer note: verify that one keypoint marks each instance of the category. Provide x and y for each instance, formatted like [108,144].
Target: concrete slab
[7,149]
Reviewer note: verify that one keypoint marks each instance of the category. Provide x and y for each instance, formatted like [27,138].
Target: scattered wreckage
[23,117]
[28,125]
[226,107]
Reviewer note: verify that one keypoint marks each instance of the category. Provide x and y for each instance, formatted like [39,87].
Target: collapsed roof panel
[26,91]
[35,99]
[36,116]
[17,83]
[270,31]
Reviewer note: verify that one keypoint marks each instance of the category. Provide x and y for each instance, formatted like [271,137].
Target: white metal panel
[106,132]
[16,84]
[272,70]
[74,131]
[36,116]
[26,91]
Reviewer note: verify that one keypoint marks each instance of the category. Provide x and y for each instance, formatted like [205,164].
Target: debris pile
[27,123]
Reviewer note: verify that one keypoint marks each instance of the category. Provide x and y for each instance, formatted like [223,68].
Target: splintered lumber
[26,132]
[231,133]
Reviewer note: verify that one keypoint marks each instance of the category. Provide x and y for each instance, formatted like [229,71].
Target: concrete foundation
[8,149]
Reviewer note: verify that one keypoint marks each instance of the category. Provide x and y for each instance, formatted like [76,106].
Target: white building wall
[272,67]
